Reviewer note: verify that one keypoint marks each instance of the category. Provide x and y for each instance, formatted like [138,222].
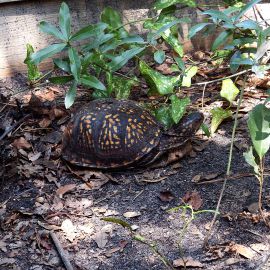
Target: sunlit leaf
[229,90]
[178,107]
[190,72]
[64,20]
[71,95]
[218,115]
[248,24]
[259,129]
[118,221]
[32,70]
[205,129]
[51,30]
[47,52]
[158,83]
[250,159]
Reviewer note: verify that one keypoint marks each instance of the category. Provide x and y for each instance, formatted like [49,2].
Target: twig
[204,87]
[224,78]
[229,162]
[14,126]
[262,18]
[61,251]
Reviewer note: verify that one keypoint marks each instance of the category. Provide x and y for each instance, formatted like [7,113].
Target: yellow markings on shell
[114,128]
[108,116]
[87,121]
[115,116]
[145,149]
[116,137]
[81,127]
[152,141]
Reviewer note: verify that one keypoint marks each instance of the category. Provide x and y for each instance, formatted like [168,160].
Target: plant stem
[229,162]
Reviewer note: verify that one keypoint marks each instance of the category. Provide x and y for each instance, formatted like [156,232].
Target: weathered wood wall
[19,20]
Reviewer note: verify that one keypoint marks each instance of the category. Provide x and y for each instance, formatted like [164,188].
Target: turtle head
[188,125]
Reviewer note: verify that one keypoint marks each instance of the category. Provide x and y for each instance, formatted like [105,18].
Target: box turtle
[109,133]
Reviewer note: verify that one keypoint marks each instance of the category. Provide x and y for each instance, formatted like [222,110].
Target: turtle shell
[109,133]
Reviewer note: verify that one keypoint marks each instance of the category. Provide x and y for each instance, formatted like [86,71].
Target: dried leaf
[21,143]
[64,189]
[101,238]
[131,214]
[196,178]
[69,230]
[194,199]
[243,251]
[187,262]
[45,122]
[166,196]
[34,156]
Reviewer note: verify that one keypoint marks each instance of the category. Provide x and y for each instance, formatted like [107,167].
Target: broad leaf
[163,115]
[61,79]
[259,129]
[241,61]
[178,107]
[218,15]
[180,63]
[206,130]
[119,61]
[158,83]
[92,81]
[221,39]
[113,19]
[190,72]
[173,42]
[47,52]
[161,4]
[64,65]
[32,70]
[71,95]
[64,20]
[99,40]
[51,30]
[196,28]
[248,24]
[229,90]
[218,115]
[159,56]
[246,8]
[89,31]
[250,159]
[75,63]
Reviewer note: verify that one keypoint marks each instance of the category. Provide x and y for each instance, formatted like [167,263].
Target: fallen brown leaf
[131,214]
[64,189]
[45,122]
[187,262]
[194,199]
[21,143]
[101,239]
[243,251]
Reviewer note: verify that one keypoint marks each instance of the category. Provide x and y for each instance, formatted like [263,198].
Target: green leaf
[229,90]
[99,40]
[218,115]
[92,81]
[250,159]
[190,72]
[178,107]
[158,83]
[51,30]
[248,24]
[246,8]
[233,66]
[218,15]
[159,56]
[161,4]
[75,63]
[120,60]
[97,94]
[221,39]
[113,19]
[180,63]
[205,129]
[118,221]
[47,52]
[259,129]
[70,95]
[196,28]
[173,42]
[64,65]
[259,70]
[64,20]
[32,70]
[89,31]
[61,79]
[163,115]
[241,61]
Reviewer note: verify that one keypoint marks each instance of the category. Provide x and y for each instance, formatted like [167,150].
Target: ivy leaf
[190,72]
[70,95]
[229,90]
[47,52]
[259,129]
[163,115]
[173,42]
[178,107]
[218,115]
[92,81]
[51,30]
[159,56]
[75,63]
[250,159]
[64,20]
[32,70]
[158,83]
[119,61]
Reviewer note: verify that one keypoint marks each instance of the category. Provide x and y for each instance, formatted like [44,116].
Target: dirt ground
[42,197]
